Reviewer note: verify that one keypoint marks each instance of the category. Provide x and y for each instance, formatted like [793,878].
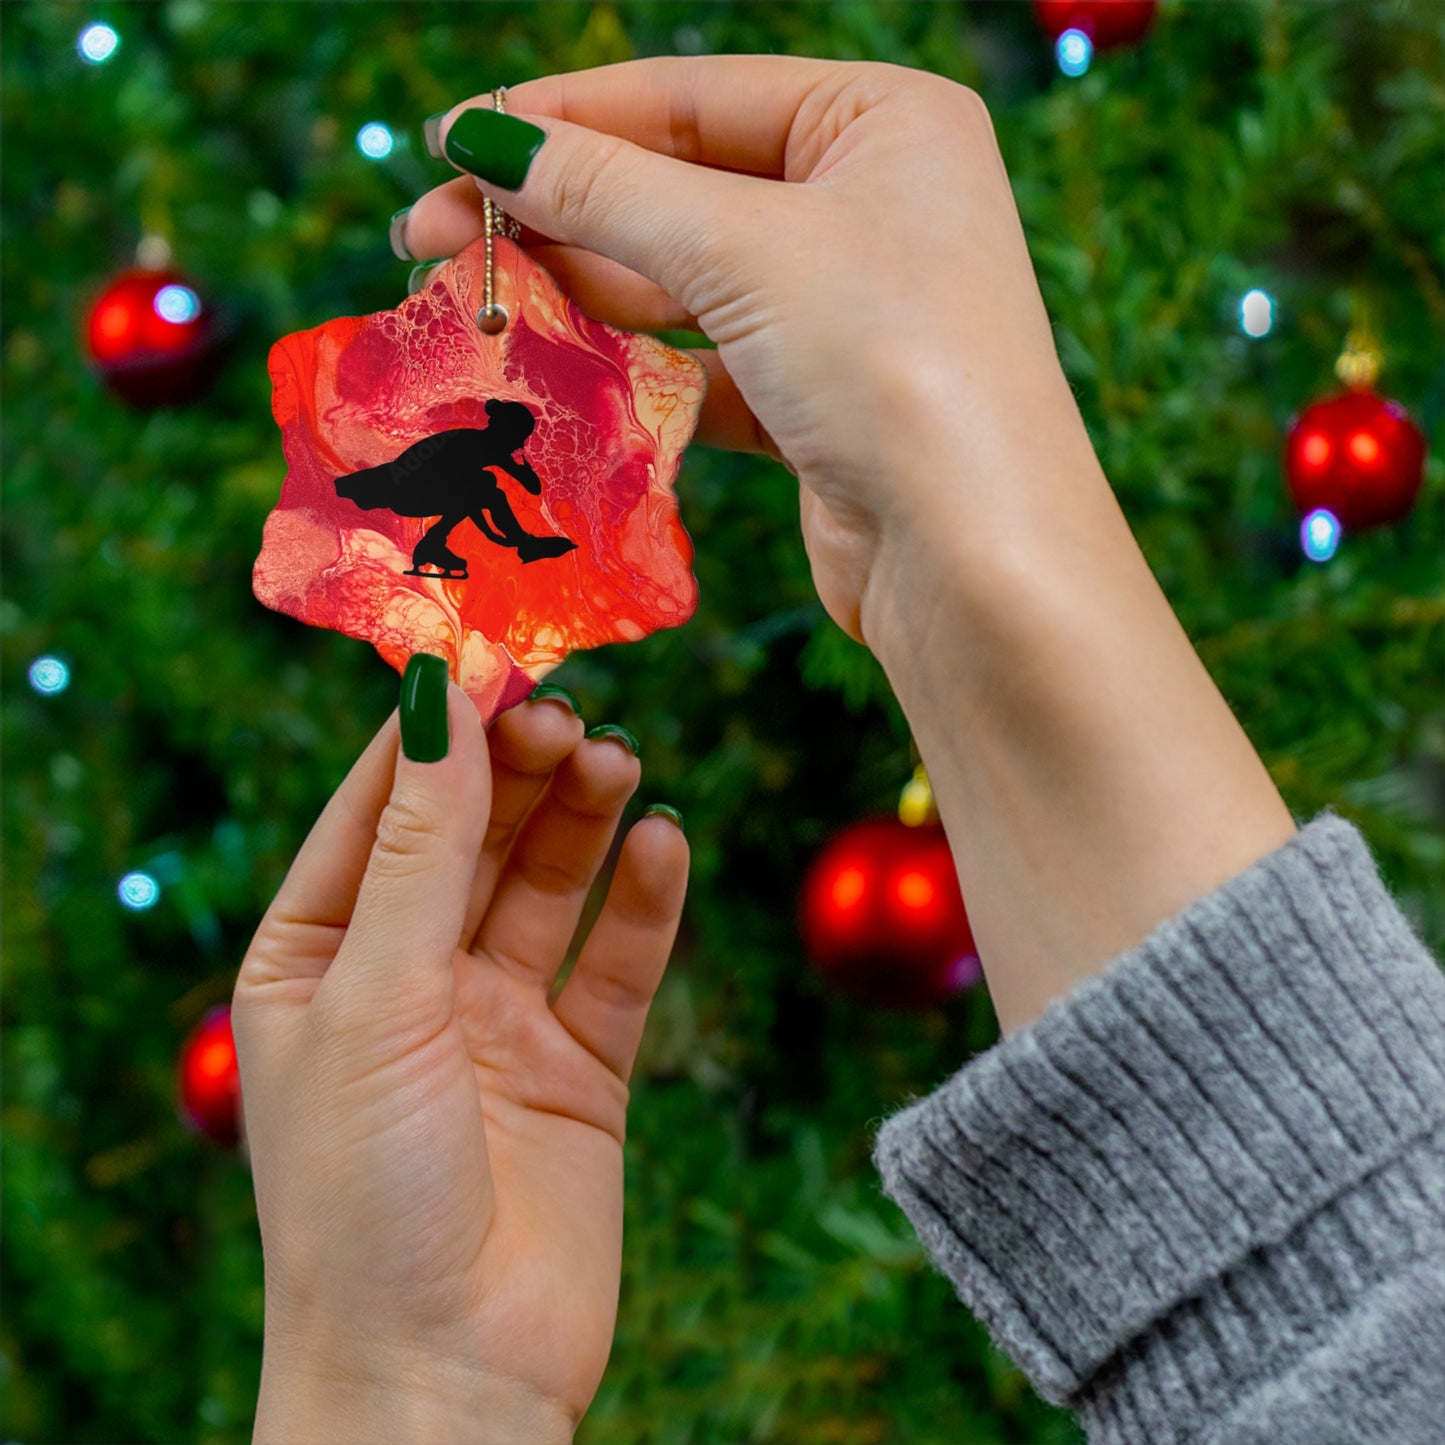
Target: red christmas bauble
[1358,455]
[210,1081]
[1107,23]
[883,917]
[152,338]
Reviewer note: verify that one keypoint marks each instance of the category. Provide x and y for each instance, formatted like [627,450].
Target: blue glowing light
[1074,52]
[1256,313]
[177,304]
[1319,535]
[375,140]
[49,675]
[138,891]
[97,43]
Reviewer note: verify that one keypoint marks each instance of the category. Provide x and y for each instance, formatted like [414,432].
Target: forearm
[1092,779]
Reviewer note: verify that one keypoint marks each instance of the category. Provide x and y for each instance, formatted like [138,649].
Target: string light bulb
[97,43]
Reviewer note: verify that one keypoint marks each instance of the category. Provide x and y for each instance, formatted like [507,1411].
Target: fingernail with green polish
[396,233]
[544,690]
[431,133]
[424,736]
[663,810]
[498,148]
[421,274]
[614,730]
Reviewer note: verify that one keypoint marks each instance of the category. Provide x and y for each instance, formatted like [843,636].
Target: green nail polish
[396,234]
[431,133]
[498,148]
[545,690]
[664,810]
[615,730]
[424,736]
[420,274]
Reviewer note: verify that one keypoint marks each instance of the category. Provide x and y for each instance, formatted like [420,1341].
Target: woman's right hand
[846,235]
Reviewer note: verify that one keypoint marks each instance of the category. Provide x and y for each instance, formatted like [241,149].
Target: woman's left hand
[437,1145]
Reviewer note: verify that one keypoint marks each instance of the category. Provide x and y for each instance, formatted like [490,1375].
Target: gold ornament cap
[915,804]
[1360,362]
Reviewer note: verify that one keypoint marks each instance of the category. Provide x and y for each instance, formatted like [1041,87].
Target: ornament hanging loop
[492,318]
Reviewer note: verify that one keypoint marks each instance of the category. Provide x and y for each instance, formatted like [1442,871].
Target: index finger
[733,112]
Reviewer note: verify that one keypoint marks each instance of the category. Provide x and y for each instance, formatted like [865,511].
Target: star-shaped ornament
[499,500]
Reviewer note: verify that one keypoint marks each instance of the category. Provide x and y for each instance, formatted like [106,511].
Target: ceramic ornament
[499,500]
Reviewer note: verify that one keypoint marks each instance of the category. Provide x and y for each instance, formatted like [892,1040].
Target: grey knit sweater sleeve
[1202,1199]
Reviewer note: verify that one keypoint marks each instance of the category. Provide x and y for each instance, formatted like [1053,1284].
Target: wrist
[396,1397]
[1092,779]
[981,526]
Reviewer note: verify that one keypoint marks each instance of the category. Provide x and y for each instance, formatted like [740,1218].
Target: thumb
[407,923]
[664,218]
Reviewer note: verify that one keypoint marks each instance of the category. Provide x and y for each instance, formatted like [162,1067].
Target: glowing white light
[49,675]
[1074,51]
[177,304]
[1319,535]
[138,891]
[1256,313]
[97,43]
[375,141]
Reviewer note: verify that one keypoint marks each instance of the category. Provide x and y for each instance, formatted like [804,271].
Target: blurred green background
[770,1292]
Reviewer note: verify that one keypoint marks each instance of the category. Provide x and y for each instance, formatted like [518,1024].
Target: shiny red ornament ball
[152,338]
[210,1081]
[1107,23]
[1359,456]
[883,917]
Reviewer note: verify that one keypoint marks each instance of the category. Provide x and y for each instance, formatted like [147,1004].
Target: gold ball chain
[492,318]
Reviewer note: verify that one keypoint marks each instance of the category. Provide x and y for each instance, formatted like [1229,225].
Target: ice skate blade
[445,574]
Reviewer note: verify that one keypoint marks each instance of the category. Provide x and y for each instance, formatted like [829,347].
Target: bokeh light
[97,43]
[1315,450]
[1319,535]
[49,675]
[914,890]
[215,1058]
[138,891]
[1075,52]
[1256,313]
[1364,448]
[849,887]
[966,969]
[178,304]
[375,141]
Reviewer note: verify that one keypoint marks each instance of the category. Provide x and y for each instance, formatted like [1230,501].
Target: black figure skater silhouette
[447,475]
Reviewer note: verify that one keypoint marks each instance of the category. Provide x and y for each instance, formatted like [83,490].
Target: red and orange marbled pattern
[615,412]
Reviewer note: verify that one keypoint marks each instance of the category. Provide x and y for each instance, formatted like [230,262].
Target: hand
[437,1149]
[847,235]
[876,319]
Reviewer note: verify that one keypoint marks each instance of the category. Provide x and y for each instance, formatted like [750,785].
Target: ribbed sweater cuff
[1216,1106]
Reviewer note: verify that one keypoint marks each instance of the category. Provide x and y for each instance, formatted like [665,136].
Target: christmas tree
[168,742]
